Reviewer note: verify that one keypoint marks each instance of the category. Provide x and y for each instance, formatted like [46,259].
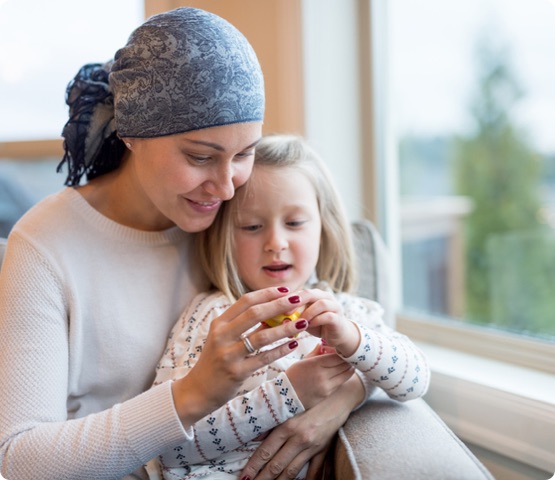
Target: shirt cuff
[152,424]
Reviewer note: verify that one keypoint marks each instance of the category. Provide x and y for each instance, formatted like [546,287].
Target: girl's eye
[250,228]
[295,223]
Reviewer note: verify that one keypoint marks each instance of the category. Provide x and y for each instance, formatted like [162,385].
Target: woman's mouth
[204,207]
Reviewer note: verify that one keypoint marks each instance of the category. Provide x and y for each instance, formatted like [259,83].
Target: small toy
[279,319]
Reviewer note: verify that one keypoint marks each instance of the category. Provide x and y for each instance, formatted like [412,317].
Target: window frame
[482,408]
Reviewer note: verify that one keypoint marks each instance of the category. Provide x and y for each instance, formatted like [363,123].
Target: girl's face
[277,229]
[183,179]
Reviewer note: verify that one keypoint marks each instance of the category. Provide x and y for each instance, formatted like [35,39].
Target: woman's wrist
[190,402]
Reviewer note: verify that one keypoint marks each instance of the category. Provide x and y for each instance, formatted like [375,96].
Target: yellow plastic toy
[279,319]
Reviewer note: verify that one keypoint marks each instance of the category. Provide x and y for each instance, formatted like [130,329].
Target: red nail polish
[300,324]
[293,344]
[246,477]
[282,290]
[294,299]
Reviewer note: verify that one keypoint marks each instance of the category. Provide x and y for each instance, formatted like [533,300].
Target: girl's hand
[317,376]
[304,438]
[226,361]
[326,319]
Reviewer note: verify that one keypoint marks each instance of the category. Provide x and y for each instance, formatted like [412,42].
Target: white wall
[332,93]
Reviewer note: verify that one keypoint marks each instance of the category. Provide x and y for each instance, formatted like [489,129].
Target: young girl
[284,227]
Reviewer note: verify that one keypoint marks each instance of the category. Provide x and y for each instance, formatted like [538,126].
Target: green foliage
[522,279]
[498,169]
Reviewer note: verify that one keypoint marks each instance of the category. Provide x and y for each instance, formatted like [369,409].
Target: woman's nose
[222,183]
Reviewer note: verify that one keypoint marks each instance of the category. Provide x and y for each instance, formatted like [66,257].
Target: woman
[95,276]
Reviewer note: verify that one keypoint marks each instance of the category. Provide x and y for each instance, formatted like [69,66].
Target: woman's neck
[116,196]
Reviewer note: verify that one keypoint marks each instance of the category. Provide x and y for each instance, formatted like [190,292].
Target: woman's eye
[246,154]
[199,158]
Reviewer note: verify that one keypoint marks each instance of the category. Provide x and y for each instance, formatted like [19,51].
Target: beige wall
[274,29]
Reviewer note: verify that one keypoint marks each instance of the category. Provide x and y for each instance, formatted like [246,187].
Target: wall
[273,27]
[309,52]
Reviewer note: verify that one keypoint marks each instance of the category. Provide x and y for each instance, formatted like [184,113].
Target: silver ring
[247,343]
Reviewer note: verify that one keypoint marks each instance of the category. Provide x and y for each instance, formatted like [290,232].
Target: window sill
[503,408]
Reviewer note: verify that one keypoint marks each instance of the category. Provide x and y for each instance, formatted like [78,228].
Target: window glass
[42,46]
[473,92]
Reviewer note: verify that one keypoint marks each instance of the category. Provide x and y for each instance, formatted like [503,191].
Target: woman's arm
[39,428]
[38,436]
[305,438]
[266,403]
[238,422]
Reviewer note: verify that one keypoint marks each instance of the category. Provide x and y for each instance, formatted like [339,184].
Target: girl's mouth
[277,268]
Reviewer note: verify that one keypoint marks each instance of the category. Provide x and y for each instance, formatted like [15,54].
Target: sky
[42,46]
[433,66]
[432,59]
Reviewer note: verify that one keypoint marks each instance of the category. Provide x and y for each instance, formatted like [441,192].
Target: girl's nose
[276,241]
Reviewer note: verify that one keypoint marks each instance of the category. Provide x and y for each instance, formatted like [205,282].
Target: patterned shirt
[225,439]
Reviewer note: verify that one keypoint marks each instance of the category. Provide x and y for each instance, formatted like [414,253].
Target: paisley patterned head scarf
[182,70]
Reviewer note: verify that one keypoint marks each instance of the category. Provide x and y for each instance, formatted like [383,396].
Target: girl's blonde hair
[336,260]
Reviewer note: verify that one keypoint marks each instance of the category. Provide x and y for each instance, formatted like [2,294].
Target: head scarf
[182,70]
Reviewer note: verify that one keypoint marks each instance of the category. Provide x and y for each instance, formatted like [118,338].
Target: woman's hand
[327,321]
[318,376]
[304,438]
[226,361]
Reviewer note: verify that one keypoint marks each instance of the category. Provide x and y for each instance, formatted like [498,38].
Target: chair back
[373,266]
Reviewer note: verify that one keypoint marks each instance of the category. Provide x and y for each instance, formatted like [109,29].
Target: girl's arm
[267,404]
[385,358]
[238,422]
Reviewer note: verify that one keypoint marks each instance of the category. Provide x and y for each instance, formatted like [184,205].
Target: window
[473,112]
[42,46]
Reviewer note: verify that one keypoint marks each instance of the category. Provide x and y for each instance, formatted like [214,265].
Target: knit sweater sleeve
[266,403]
[385,358]
[38,436]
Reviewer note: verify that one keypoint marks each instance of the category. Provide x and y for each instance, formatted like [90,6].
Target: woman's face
[183,179]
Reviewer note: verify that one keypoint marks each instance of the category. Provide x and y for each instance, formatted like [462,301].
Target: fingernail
[300,324]
[294,299]
[282,290]
[246,477]
[324,342]
[292,345]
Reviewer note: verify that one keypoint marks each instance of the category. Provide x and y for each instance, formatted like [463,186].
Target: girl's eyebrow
[218,147]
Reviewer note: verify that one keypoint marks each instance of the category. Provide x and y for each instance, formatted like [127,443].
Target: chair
[386,439]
